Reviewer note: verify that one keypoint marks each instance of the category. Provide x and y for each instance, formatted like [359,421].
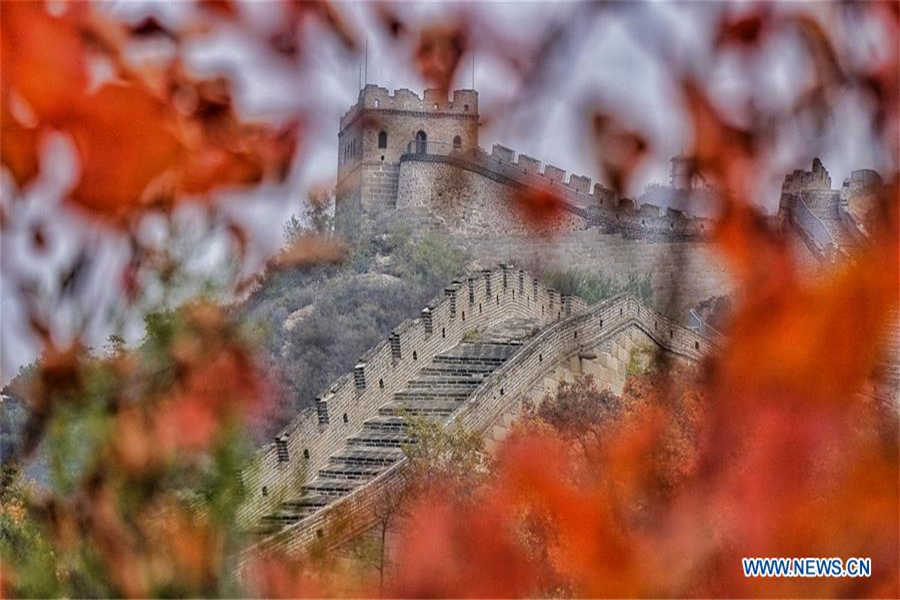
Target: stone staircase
[435,392]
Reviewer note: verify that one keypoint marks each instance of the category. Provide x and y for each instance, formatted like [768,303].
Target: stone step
[337,469]
[437,390]
[272,522]
[474,361]
[444,381]
[328,486]
[388,423]
[413,396]
[436,407]
[480,351]
[387,439]
[450,369]
[368,455]
[291,511]
[305,504]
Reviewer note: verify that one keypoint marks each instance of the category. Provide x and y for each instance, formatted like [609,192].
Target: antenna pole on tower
[366,78]
[473,70]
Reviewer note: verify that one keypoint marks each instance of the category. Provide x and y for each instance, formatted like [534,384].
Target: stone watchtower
[378,130]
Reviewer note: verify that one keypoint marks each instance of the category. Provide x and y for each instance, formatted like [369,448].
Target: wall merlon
[503,153]
[463,97]
[436,99]
[580,183]
[650,211]
[554,173]
[626,205]
[815,179]
[374,97]
[529,164]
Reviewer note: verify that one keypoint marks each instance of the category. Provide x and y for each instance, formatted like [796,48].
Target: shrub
[594,287]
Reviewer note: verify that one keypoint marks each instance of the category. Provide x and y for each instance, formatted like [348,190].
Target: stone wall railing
[583,329]
[599,206]
[433,102]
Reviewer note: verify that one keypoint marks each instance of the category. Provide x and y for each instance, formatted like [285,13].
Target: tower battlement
[463,103]
[399,150]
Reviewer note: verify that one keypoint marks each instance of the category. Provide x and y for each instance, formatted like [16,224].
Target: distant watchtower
[378,130]
[683,173]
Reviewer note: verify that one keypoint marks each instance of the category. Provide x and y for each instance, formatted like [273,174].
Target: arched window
[382,139]
[421,142]
[457,143]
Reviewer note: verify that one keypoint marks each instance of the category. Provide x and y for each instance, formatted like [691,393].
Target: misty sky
[605,60]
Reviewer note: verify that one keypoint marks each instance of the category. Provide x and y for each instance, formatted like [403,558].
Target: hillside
[313,324]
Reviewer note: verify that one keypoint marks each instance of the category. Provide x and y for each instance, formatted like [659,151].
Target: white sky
[603,62]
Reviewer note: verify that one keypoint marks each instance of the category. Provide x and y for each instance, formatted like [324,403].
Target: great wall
[496,337]
[400,152]
[472,357]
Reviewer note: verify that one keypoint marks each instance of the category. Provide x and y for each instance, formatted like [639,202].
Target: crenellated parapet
[815,179]
[461,103]
[595,204]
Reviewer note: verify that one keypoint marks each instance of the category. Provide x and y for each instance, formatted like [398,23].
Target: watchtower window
[457,142]
[421,142]
[466,107]
[382,139]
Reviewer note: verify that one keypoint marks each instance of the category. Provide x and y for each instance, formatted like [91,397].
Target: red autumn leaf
[539,208]
[438,52]
[745,30]
[42,59]
[19,148]
[222,8]
[621,150]
[126,140]
[724,152]
[309,250]
[209,166]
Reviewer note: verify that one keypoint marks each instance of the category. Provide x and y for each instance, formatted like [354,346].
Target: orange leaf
[42,59]
[19,148]
[125,139]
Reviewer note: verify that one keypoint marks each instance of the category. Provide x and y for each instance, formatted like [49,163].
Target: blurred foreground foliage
[775,448]
[145,449]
